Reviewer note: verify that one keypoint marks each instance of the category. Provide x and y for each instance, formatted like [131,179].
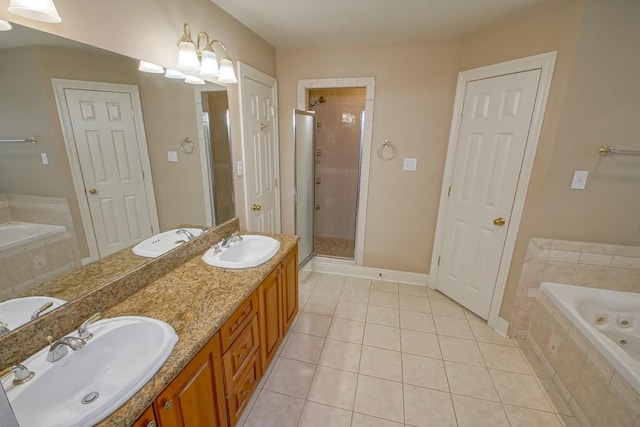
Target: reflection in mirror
[58,207]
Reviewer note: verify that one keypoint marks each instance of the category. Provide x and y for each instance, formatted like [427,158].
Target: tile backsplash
[593,265]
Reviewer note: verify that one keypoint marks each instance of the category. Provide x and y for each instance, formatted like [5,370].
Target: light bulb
[227,75]
[209,67]
[38,10]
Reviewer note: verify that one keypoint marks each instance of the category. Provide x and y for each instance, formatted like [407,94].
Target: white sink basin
[124,353]
[18,311]
[251,251]
[161,243]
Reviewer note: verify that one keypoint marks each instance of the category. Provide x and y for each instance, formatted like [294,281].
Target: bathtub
[610,320]
[15,233]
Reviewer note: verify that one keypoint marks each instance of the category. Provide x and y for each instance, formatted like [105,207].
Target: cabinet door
[191,400]
[290,288]
[148,419]
[270,299]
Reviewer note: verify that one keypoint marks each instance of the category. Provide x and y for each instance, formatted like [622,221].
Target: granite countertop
[195,299]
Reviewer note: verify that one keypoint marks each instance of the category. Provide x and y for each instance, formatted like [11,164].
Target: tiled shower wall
[25,266]
[593,265]
[593,389]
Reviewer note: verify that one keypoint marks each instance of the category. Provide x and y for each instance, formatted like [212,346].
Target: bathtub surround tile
[469,411]
[614,411]
[576,336]
[620,386]
[564,256]
[600,362]
[625,262]
[579,414]
[535,365]
[591,276]
[595,259]
[623,279]
[555,398]
[562,389]
[380,398]
[425,408]
[568,361]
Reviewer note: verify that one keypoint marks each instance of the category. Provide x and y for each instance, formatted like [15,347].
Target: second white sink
[162,243]
[18,311]
[251,251]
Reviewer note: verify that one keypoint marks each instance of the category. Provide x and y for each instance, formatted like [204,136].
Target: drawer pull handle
[251,383]
[168,405]
[152,424]
[244,315]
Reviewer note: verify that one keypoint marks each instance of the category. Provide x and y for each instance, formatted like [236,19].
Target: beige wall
[414,92]
[150,29]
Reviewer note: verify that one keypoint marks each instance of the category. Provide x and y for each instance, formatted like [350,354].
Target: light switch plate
[409,164]
[172,156]
[45,159]
[240,166]
[579,180]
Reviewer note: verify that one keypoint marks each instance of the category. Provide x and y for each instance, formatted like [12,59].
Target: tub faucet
[235,237]
[59,349]
[187,233]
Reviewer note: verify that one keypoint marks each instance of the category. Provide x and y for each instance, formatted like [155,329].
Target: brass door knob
[168,405]
[256,207]
[499,221]
[93,191]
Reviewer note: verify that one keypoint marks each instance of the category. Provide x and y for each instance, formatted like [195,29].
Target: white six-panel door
[107,146]
[261,157]
[492,138]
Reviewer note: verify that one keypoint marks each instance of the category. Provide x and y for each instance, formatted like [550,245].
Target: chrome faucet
[235,237]
[83,330]
[4,329]
[59,349]
[187,233]
[21,374]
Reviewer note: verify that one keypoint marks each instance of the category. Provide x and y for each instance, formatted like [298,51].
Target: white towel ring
[387,151]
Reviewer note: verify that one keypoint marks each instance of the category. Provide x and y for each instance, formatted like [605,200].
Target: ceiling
[322,23]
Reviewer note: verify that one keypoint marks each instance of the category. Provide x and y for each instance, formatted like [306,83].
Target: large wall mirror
[52,89]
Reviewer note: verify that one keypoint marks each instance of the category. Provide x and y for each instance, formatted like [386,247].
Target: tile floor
[333,247]
[379,354]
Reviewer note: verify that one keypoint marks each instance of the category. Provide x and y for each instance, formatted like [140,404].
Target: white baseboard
[320,265]
[502,327]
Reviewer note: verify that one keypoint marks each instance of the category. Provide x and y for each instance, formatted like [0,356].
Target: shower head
[321,100]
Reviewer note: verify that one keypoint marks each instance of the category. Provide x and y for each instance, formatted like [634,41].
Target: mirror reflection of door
[304,124]
[338,113]
[216,124]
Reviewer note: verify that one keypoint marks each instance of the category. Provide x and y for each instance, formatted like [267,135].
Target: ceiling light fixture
[4,25]
[192,58]
[38,10]
[150,67]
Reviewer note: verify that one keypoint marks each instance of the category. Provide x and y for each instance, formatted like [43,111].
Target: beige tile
[472,381]
[306,348]
[333,387]
[327,290]
[504,358]
[536,366]
[275,410]
[377,362]
[357,283]
[346,330]
[384,299]
[290,377]
[484,333]
[361,420]
[519,390]
[628,394]
[422,322]
[424,372]
[379,398]
[428,408]
[614,412]
[382,336]
[302,300]
[567,421]
[461,351]
[588,391]
[358,295]
[384,286]
[341,355]
[554,397]
[383,316]
[419,291]
[312,324]
[449,308]
[561,272]
[415,303]
[458,328]
[317,415]
[351,310]
[435,295]
[320,305]
[471,412]
[521,417]
[329,279]
[420,343]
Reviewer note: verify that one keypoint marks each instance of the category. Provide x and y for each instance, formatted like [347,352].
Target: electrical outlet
[579,180]
[45,159]
[240,166]
[172,156]
[409,164]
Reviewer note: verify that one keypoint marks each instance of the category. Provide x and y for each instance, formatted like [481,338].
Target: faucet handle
[39,311]
[21,373]
[83,330]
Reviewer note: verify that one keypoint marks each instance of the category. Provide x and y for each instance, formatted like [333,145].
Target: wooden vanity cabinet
[195,398]
[289,288]
[148,419]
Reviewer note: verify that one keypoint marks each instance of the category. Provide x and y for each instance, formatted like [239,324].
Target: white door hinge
[438,260]
[449,192]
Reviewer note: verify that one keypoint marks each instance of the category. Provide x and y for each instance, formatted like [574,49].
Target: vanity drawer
[239,354]
[244,387]
[238,320]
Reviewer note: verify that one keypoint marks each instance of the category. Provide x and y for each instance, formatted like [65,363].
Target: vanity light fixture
[193,58]
[5,25]
[192,80]
[173,74]
[149,67]
[38,10]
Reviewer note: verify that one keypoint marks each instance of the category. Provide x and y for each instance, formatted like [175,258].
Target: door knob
[93,191]
[499,221]
[263,126]
[256,207]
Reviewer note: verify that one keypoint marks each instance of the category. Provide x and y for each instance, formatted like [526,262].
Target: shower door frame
[368,83]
